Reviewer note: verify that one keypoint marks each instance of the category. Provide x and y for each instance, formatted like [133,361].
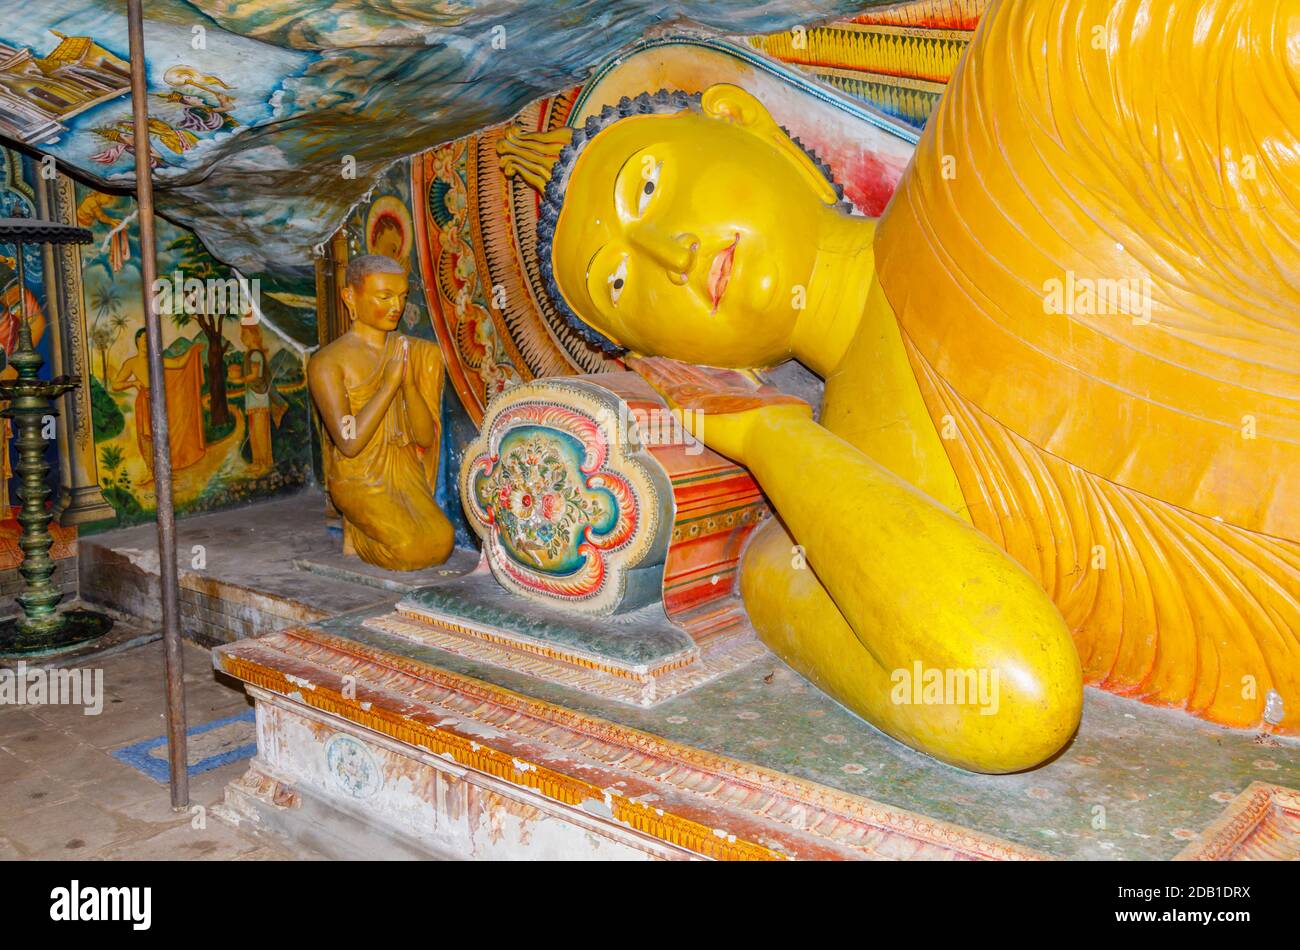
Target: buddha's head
[680,226]
[375,291]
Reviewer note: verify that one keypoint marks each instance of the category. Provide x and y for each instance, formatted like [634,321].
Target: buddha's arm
[350,434]
[913,580]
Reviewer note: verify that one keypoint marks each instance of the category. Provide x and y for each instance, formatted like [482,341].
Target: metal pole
[162,461]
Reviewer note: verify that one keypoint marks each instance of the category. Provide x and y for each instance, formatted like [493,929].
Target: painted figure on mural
[379,393]
[184,383]
[993,485]
[263,406]
[10,317]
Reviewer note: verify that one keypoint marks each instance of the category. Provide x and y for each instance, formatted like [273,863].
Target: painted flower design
[552,506]
[540,501]
[521,504]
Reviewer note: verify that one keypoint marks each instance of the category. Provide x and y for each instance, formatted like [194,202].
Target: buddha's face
[689,236]
[378,301]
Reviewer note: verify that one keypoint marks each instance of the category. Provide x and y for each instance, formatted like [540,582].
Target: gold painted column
[80,498]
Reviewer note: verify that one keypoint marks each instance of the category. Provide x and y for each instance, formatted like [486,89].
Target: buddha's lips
[720,272]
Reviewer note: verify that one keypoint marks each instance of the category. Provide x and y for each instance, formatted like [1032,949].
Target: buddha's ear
[733,104]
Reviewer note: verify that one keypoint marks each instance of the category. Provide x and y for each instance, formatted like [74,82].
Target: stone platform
[359,748]
[246,572]
[640,657]
[455,755]
[736,755]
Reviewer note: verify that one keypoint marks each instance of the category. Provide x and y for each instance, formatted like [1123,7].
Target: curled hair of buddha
[662,102]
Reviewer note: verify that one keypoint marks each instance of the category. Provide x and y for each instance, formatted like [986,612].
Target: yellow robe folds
[1141,460]
[386,493]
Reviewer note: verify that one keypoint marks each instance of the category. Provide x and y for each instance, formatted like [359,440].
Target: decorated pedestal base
[611,543]
[364,752]
[640,657]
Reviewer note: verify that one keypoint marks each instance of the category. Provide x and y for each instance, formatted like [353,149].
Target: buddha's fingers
[542,169]
[685,381]
[529,143]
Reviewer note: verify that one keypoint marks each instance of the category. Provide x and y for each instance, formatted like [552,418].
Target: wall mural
[235,387]
[18,184]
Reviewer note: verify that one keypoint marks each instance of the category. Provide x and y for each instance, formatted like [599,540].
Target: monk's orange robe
[386,492]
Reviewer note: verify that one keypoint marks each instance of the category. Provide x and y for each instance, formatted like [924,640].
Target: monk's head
[375,294]
[250,335]
[684,226]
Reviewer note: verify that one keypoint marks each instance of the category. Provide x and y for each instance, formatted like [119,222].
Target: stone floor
[248,571]
[64,796]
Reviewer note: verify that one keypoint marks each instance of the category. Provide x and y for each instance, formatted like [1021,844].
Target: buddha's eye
[648,188]
[617,281]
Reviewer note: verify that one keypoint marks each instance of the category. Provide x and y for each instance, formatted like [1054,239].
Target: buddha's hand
[723,408]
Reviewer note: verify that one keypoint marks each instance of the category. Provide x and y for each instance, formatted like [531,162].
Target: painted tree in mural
[109,323]
[196,263]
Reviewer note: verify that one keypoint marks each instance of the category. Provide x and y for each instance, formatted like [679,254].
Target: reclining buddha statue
[1060,437]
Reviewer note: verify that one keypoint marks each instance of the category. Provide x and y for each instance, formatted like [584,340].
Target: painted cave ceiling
[256,106]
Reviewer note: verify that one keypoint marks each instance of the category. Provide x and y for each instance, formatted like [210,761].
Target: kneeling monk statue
[1003,489]
[378,394]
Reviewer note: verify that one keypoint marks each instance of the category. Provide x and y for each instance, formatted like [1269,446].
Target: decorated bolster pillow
[588,494]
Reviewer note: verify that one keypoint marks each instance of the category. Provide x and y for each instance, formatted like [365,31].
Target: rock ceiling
[270,118]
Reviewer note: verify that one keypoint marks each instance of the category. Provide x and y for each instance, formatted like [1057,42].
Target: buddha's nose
[676,253]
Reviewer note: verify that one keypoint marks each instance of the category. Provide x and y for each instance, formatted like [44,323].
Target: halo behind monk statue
[995,488]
